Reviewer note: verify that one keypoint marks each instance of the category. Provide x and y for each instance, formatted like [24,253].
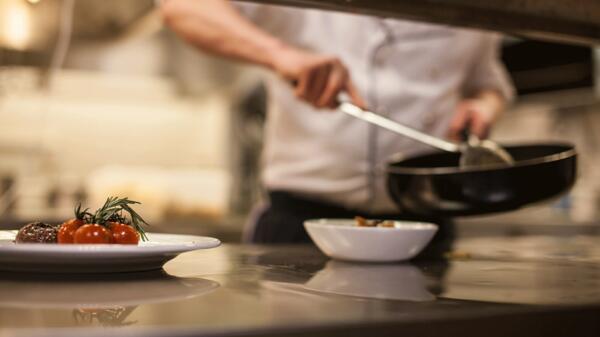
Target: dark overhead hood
[570,21]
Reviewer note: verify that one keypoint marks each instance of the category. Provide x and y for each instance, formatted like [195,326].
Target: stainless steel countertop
[494,287]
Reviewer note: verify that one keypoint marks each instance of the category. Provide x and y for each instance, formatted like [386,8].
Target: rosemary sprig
[82,215]
[113,210]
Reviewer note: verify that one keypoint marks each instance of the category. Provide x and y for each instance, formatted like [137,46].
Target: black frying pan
[433,184]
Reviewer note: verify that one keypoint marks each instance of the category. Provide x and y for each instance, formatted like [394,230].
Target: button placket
[377,59]
[430,120]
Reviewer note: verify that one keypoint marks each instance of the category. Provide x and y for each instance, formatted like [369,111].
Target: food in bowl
[114,223]
[362,222]
[342,239]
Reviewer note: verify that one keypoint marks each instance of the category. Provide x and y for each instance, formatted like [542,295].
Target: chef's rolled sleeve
[487,71]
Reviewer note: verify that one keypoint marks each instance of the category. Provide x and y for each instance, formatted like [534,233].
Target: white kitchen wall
[572,116]
[89,122]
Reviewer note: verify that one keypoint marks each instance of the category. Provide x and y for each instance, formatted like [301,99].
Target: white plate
[55,258]
[342,239]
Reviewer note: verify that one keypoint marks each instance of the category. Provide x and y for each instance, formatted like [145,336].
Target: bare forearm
[215,26]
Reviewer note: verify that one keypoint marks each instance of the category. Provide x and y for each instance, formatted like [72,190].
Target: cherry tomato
[67,230]
[124,234]
[92,233]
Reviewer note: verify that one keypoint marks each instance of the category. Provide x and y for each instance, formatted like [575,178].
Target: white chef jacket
[411,72]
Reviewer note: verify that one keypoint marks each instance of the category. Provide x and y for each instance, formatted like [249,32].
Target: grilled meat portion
[37,232]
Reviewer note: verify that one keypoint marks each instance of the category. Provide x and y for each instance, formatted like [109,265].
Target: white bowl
[342,239]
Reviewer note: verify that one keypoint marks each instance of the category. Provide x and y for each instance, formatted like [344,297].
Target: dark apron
[283,221]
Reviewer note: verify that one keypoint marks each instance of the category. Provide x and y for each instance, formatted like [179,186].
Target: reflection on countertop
[404,282]
[97,291]
[284,290]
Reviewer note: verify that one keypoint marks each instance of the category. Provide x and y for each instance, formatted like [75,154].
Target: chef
[319,163]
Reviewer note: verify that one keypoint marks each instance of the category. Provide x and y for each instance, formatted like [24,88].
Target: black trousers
[283,221]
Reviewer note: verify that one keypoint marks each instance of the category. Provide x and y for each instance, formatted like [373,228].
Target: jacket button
[430,120]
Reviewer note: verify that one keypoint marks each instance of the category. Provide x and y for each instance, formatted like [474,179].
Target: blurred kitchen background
[98,99]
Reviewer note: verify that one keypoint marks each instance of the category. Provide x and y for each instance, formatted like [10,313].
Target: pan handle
[347,107]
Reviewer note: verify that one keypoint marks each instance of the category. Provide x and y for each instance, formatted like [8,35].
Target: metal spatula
[474,152]
[482,152]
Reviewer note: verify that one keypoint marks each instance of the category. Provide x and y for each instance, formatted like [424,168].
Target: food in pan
[37,232]
[113,223]
[362,222]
